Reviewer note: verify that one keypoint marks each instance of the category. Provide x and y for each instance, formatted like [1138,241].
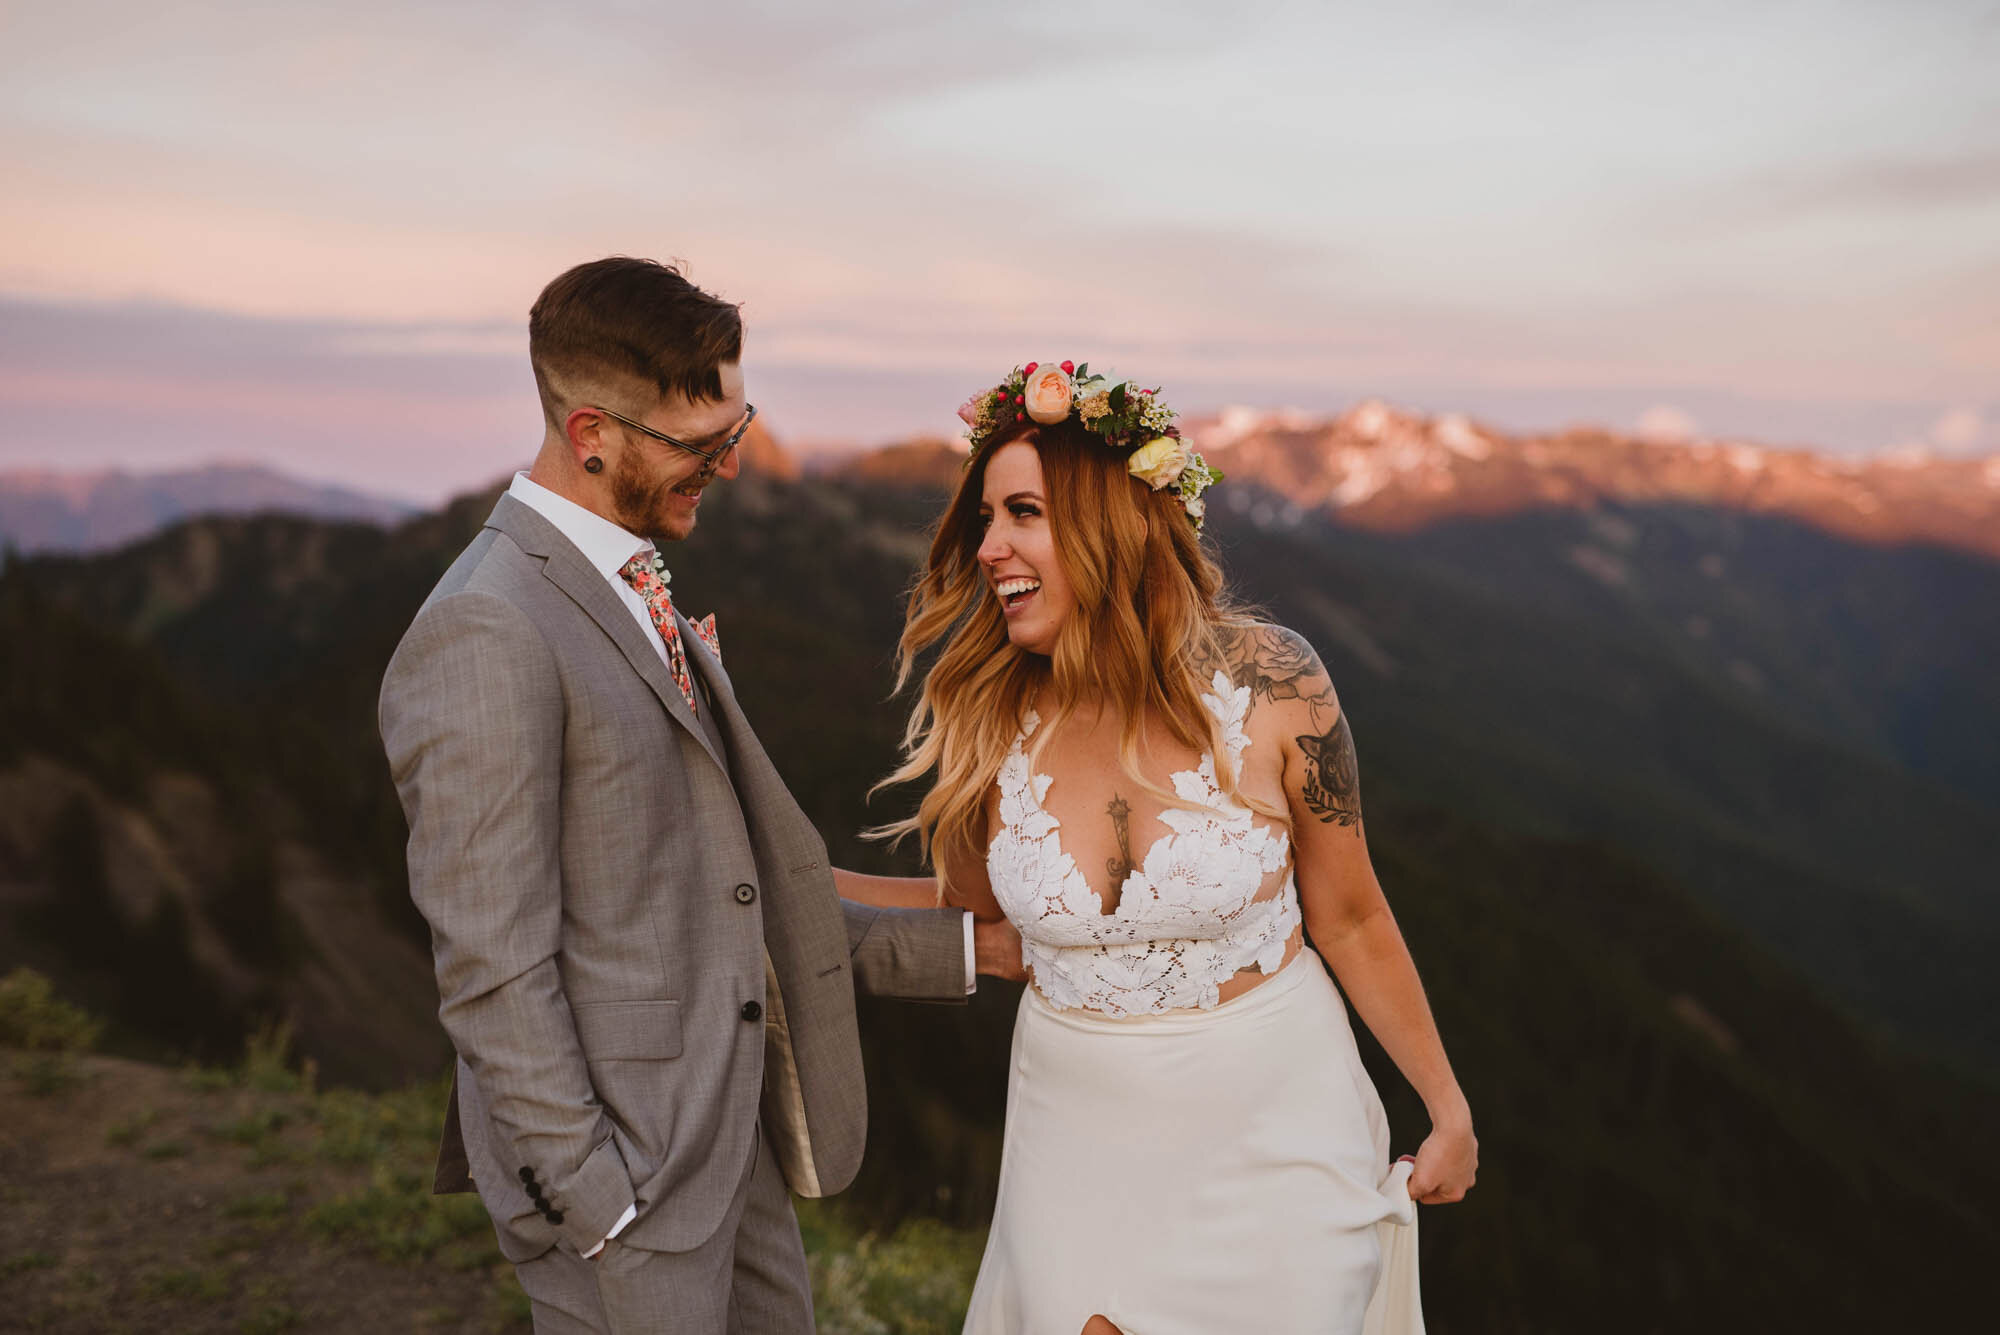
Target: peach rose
[1048,394]
[1159,462]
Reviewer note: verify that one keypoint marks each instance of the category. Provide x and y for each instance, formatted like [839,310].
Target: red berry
[1029,369]
[1069,368]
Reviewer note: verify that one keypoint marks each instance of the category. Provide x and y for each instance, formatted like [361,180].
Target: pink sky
[308,234]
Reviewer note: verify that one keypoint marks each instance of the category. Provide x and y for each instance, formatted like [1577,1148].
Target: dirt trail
[139,1199]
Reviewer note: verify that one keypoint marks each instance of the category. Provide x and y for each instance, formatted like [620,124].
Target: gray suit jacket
[637,938]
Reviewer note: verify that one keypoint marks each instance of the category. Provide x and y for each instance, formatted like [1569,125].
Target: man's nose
[730,464]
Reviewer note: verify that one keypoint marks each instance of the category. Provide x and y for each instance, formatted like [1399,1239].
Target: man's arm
[990,945]
[472,720]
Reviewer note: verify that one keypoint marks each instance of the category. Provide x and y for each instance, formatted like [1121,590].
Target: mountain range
[46,511]
[1385,469]
[43,510]
[1686,811]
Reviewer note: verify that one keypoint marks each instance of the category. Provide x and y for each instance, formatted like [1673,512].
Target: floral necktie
[647,574]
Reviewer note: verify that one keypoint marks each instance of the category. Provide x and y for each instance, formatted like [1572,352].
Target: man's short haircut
[624,319]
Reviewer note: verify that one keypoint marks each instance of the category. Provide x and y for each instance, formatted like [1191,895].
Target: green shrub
[267,1061]
[46,1073]
[31,1017]
[396,1217]
[403,1125]
[125,1132]
[270,1319]
[208,1079]
[26,1261]
[259,1205]
[252,1129]
[917,1281]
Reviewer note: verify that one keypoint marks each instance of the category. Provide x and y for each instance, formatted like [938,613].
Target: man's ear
[587,431]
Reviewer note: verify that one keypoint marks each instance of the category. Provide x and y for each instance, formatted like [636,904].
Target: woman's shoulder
[1274,662]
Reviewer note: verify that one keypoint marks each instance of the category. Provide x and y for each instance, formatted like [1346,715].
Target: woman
[1158,791]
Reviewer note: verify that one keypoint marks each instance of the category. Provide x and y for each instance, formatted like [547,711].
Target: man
[641,958]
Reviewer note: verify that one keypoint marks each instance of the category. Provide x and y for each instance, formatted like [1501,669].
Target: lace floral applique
[1188,916]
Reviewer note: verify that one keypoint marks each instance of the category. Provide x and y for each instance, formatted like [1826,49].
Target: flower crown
[1127,417]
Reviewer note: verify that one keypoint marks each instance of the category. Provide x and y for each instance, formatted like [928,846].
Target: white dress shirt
[607,547]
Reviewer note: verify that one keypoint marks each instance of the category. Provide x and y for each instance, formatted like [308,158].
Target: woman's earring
[593,465]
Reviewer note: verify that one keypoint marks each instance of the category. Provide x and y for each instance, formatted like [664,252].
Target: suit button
[746,893]
[752,1011]
[527,1175]
[535,1195]
[556,1218]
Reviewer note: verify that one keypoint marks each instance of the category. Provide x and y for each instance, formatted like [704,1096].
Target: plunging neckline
[1200,773]
[1198,788]
[1190,915]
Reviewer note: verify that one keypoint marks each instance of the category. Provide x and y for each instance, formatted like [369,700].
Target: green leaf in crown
[1124,417]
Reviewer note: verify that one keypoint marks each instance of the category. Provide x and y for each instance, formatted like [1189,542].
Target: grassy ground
[135,1198]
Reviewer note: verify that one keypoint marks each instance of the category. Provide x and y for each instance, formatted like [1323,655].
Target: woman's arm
[887,892]
[1344,907]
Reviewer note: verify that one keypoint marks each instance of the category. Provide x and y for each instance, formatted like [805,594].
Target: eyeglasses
[711,459]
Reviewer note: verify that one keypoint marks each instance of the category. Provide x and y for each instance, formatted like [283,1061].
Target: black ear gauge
[593,465]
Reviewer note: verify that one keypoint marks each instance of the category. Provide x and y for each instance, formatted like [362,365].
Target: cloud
[1272,205]
[1967,178]
[426,411]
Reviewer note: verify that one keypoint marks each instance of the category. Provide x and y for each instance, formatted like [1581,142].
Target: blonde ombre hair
[1149,600]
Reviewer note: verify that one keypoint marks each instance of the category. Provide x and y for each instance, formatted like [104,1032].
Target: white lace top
[1187,917]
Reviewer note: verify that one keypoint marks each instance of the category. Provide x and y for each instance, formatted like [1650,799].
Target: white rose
[1159,462]
[1048,394]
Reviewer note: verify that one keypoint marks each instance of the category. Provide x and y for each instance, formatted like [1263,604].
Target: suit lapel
[564,567]
[759,786]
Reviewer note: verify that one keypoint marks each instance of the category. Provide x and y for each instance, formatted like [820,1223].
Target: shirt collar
[604,544]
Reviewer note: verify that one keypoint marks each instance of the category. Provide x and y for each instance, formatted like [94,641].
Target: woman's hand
[996,949]
[1447,1164]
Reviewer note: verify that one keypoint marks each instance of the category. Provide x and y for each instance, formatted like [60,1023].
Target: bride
[1159,791]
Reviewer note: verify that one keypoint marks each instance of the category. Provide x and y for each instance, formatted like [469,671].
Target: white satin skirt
[1199,1173]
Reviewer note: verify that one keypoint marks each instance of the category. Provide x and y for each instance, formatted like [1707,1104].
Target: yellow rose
[1047,395]
[1159,462]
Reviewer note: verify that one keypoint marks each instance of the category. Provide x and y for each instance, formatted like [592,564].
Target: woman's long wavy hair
[1149,600]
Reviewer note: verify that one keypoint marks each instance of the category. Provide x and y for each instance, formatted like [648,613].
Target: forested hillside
[1685,931]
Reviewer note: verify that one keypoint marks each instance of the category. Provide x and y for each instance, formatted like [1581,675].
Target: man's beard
[639,502]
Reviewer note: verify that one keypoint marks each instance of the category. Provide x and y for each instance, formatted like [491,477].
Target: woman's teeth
[1014,590]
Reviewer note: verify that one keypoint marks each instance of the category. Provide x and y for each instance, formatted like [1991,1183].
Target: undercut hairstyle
[622,321]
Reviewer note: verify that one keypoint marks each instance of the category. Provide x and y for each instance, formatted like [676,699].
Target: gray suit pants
[748,1279]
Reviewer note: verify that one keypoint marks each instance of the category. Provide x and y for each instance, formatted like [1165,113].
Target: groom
[642,961]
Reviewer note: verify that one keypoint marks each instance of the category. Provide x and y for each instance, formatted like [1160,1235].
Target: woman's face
[1018,552]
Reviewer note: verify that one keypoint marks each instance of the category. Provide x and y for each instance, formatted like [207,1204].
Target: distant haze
[80,512]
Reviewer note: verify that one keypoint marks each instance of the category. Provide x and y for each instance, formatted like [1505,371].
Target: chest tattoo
[1120,866]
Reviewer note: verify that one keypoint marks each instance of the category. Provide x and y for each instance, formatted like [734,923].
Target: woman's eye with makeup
[1023,510]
